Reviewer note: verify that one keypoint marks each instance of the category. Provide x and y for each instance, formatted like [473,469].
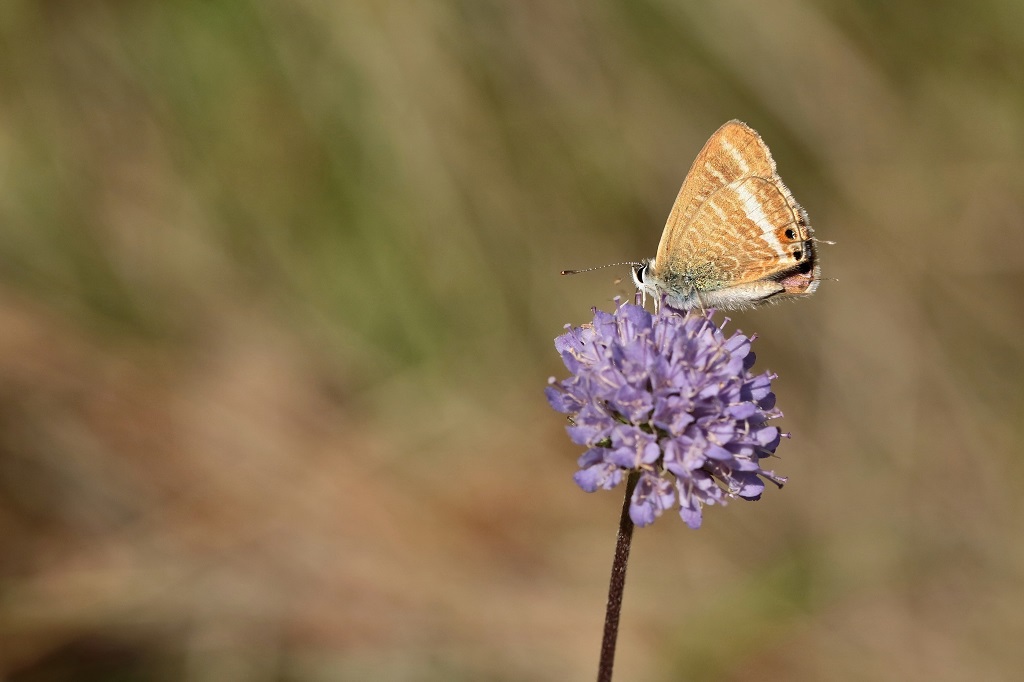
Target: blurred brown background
[278,288]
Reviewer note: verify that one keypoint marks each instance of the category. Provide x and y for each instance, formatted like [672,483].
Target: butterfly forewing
[733,152]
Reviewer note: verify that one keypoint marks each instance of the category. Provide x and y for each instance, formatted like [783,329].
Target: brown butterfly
[735,237]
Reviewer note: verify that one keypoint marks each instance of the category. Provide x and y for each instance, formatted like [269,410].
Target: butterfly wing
[733,152]
[752,239]
[735,235]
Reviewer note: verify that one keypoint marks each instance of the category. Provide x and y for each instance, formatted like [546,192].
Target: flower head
[670,396]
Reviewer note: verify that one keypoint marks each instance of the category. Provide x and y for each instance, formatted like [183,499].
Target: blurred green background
[278,288]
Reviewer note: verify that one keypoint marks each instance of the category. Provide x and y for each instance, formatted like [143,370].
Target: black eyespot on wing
[790,234]
[798,254]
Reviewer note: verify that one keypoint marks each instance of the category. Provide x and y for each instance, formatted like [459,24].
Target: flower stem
[617,584]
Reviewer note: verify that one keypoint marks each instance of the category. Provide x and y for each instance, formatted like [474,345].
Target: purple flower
[669,396]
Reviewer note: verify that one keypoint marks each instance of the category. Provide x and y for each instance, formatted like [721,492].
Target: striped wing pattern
[734,221]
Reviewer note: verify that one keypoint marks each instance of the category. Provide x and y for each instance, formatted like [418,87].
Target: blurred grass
[278,283]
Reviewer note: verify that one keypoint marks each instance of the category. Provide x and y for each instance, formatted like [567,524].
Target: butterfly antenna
[599,267]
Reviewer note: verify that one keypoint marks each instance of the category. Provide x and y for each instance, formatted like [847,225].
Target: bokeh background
[278,288]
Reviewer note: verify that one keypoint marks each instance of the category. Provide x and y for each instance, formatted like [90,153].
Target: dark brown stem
[617,584]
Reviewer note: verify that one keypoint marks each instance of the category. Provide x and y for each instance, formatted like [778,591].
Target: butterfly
[735,237]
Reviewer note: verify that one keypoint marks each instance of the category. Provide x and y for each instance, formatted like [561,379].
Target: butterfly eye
[790,234]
